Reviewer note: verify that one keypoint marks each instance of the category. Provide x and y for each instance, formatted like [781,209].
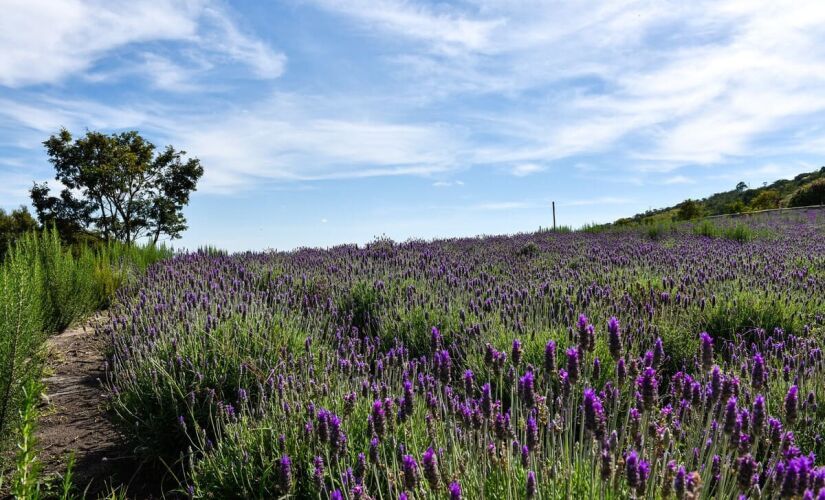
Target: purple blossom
[706,342]
[614,338]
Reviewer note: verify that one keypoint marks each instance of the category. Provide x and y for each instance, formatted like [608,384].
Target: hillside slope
[782,193]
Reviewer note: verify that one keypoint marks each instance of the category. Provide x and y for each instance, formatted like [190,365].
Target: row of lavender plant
[538,365]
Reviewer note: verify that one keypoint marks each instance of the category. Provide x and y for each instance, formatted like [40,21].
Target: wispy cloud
[448,30]
[47,41]
[445,184]
[525,169]
[652,89]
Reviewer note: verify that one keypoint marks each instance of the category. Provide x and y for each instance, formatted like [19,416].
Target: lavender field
[677,361]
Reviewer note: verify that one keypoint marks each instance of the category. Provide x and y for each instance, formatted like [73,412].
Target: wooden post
[554,216]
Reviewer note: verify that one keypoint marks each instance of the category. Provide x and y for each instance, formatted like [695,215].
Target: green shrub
[809,194]
[747,312]
[706,228]
[739,232]
[361,302]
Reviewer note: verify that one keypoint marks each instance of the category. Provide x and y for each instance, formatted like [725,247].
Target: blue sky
[325,121]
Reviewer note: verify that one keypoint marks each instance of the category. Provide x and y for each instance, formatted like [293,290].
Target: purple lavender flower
[792,404]
[790,480]
[573,363]
[614,338]
[526,387]
[680,482]
[443,365]
[550,357]
[606,463]
[759,415]
[531,484]
[285,474]
[758,372]
[644,473]
[429,463]
[774,430]
[631,464]
[435,338]
[731,413]
[516,352]
[658,352]
[621,371]
[532,432]
[378,418]
[360,468]
[716,383]
[318,472]
[486,400]
[374,450]
[455,490]
[410,468]
[469,382]
[648,387]
[706,349]
[746,466]
[593,413]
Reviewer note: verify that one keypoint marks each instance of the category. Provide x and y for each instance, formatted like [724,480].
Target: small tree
[741,187]
[766,200]
[689,209]
[117,187]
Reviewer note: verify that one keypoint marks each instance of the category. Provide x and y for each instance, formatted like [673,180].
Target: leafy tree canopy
[688,210]
[116,186]
[766,199]
[12,225]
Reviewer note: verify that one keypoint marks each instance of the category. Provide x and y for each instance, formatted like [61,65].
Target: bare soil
[74,419]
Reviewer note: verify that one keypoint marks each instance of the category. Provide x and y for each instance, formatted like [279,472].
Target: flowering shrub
[595,366]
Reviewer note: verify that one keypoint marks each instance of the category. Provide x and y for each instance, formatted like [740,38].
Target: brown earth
[74,419]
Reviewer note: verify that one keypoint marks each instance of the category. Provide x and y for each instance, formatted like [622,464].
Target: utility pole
[554,216]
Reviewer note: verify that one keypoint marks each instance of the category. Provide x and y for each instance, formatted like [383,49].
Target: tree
[116,187]
[13,225]
[741,187]
[766,200]
[812,193]
[688,210]
[737,207]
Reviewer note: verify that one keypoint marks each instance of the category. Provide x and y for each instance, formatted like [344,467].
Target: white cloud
[525,169]
[47,41]
[449,31]
[511,85]
[672,84]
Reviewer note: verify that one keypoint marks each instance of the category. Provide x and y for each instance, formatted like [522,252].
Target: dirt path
[74,418]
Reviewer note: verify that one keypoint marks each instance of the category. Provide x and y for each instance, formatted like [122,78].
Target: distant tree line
[116,187]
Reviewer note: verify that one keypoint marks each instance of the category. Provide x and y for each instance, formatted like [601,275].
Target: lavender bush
[598,364]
